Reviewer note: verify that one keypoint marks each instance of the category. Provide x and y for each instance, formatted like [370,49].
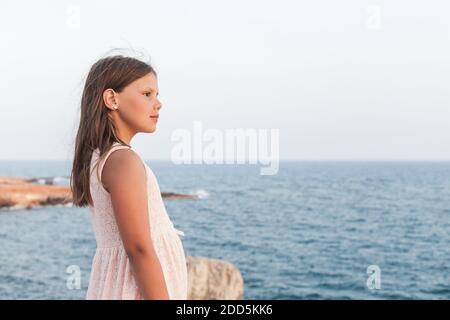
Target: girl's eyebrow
[151,89]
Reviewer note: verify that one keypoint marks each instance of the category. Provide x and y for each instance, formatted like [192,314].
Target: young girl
[139,253]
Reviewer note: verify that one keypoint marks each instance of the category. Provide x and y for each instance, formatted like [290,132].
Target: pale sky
[341,80]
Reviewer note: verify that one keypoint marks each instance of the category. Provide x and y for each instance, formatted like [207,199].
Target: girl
[139,253]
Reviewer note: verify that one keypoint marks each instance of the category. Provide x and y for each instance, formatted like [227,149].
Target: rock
[213,279]
[19,192]
[25,193]
[174,196]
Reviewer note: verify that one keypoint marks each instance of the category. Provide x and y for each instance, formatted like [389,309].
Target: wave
[201,193]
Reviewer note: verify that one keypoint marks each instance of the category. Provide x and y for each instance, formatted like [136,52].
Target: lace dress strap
[102,160]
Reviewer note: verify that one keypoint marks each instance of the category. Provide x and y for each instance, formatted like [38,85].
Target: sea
[315,230]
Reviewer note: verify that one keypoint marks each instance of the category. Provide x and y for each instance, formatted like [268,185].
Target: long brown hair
[96,128]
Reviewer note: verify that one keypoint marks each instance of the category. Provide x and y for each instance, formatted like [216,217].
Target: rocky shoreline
[36,192]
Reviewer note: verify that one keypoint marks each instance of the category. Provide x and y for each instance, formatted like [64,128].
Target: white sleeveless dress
[111,275]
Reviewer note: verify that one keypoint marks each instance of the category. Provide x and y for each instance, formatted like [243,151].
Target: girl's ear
[110,98]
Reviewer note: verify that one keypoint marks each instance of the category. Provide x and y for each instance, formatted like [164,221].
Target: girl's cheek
[143,105]
[137,103]
[143,100]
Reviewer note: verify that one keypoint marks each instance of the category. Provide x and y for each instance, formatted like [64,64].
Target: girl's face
[138,106]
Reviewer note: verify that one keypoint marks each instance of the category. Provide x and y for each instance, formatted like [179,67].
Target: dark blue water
[309,232]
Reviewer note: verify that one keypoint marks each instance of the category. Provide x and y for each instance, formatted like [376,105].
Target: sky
[341,80]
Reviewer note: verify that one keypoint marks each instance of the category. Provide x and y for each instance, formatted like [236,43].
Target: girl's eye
[147,93]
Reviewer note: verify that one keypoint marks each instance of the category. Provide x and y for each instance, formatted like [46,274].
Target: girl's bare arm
[124,177]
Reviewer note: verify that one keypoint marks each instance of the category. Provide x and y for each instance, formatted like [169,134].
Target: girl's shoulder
[124,160]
